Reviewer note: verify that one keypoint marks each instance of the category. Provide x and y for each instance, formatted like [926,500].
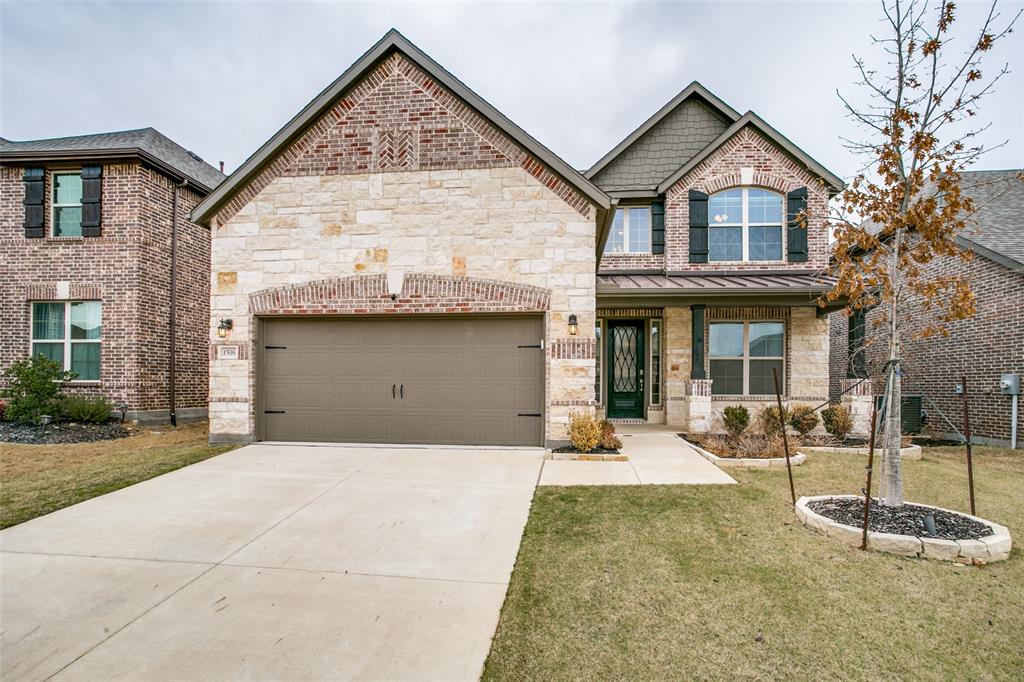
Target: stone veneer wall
[498,224]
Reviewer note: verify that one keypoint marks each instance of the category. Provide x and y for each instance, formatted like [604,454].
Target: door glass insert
[624,349]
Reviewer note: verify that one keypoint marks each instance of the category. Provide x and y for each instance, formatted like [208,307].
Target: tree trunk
[890,491]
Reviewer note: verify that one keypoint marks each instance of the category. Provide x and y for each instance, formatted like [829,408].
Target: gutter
[171,368]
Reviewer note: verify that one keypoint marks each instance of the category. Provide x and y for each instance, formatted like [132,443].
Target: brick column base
[698,393]
[858,402]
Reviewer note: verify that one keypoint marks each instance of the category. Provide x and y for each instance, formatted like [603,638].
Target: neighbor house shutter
[698,227]
[35,192]
[796,234]
[92,181]
[658,228]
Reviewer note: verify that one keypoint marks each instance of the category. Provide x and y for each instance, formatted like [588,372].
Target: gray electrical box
[1009,384]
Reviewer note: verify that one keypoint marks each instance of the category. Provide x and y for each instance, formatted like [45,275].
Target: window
[631,231]
[67,205]
[69,332]
[655,346]
[745,225]
[743,355]
[597,364]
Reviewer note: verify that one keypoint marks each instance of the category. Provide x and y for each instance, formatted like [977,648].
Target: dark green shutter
[796,234]
[856,362]
[658,228]
[35,193]
[92,189]
[697,342]
[698,227]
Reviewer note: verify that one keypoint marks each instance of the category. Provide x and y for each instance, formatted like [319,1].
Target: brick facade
[127,268]
[401,181]
[982,348]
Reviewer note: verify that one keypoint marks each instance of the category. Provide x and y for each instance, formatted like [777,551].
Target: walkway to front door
[625,360]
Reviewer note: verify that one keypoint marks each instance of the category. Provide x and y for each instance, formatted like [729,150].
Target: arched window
[745,224]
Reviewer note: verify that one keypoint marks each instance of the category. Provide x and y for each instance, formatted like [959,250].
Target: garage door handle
[275,347]
[530,414]
[273,411]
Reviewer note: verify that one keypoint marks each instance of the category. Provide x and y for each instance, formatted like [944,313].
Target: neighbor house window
[67,205]
[745,225]
[655,347]
[69,332]
[743,355]
[631,231]
[599,358]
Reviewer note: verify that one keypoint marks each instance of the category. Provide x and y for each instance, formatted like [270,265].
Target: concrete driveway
[273,562]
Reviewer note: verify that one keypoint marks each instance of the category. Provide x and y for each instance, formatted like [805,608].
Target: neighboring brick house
[401,263]
[982,348]
[86,263]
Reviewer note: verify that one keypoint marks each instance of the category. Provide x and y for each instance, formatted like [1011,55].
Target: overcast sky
[220,78]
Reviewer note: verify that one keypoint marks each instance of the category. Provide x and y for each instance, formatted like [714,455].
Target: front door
[625,369]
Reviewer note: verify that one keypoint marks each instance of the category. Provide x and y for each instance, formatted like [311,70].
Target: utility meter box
[1009,384]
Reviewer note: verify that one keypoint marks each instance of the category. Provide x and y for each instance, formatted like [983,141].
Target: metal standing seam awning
[754,288]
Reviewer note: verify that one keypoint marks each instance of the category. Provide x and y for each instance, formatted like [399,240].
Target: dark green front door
[625,368]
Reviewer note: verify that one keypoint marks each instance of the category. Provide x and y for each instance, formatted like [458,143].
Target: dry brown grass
[39,479]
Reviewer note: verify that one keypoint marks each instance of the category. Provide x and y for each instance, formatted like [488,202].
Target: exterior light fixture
[573,325]
[123,408]
[224,328]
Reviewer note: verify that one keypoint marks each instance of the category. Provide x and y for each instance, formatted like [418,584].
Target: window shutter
[658,228]
[698,227]
[35,191]
[796,234]
[92,180]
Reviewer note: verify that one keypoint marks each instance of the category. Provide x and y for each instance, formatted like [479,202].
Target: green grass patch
[722,582]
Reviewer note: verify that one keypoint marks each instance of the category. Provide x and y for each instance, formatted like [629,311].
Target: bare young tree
[906,206]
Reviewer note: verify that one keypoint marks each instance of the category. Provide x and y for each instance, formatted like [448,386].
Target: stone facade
[400,182]
[982,348]
[127,269]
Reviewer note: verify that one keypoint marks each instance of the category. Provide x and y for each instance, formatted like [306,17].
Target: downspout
[171,370]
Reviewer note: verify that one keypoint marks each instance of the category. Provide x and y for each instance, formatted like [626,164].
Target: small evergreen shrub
[81,409]
[837,421]
[768,422]
[35,387]
[803,419]
[584,431]
[609,441]
[736,419]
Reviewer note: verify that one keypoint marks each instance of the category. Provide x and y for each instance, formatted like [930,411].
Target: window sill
[740,396]
[85,382]
[64,239]
[745,262]
[631,253]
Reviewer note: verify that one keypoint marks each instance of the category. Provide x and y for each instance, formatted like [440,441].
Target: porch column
[697,342]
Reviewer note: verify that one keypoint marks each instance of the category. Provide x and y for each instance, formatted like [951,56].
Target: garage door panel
[460,380]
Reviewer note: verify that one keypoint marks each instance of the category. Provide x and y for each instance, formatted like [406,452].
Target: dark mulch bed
[595,451]
[936,442]
[817,441]
[61,432]
[905,520]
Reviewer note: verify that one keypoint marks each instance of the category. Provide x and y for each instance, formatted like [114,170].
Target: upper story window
[631,231]
[67,205]
[69,332]
[745,225]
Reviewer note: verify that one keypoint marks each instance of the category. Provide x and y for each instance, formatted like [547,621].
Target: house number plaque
[227,352]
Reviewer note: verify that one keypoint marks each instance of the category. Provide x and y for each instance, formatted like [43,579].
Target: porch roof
[761,288]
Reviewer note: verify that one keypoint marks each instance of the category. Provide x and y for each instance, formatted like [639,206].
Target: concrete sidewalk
[657,456]
[272,562]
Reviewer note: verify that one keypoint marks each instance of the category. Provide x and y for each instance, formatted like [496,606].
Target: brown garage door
[460,380]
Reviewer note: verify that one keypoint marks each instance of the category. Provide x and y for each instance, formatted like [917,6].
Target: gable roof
[391,42]
[834,182]
[146,143]
[996,230]
[693,92]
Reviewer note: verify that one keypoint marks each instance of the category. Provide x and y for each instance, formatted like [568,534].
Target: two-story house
[402,263]
[103,271]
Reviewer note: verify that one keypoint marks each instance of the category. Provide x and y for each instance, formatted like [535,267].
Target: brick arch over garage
[421,294]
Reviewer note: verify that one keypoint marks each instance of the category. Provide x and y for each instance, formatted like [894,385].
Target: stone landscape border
[587,456]
[911,452]
[747,462]
[995,547]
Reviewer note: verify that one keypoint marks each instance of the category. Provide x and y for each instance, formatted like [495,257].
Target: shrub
[35,387]
[803,419]
[736,419]
[837,421]
[609,441]
[81,409]
[584,431]
[768,422]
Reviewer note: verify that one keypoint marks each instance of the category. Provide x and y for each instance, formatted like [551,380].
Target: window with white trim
[743,355]
[655,346]
[745,224]
[631,231]
[66,206]
[69,332]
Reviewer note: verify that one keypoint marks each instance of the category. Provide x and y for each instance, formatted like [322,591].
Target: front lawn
[39,479]
[722,582]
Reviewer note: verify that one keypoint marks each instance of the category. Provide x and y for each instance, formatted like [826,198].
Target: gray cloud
[222,77]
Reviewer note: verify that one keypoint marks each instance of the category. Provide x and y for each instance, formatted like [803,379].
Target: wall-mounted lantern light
[224,328]
[573,325]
